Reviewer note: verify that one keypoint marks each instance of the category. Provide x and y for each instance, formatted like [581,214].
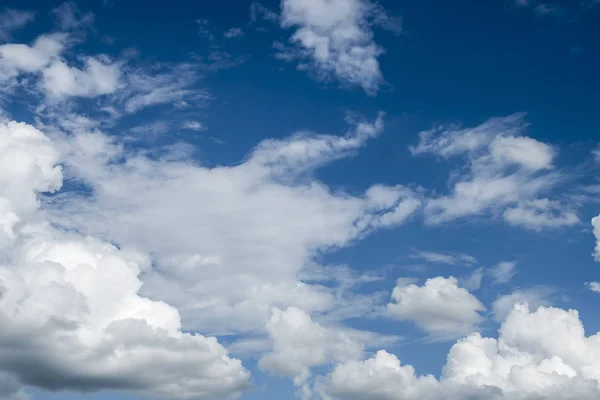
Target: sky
[299,199]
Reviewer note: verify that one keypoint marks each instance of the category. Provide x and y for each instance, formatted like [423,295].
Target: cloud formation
[541,354]
[506,174]
[440,307]
[71,314]
[334,40]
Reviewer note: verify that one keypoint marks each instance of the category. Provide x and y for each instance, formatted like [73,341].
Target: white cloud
[11,19]
[259,223]
[16,58]
[99,77]
[439,258]
[593,286]
[440,307]
[299,344]
[536,297]
[596,227]
[70,310]
[539,214]
[233,33]
[541,355]
[335,40]
[503,271]
[506,175]
[194,125]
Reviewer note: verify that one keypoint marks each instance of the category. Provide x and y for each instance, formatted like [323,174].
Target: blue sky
[314,199]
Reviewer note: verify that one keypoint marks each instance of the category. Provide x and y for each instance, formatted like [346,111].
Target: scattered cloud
[334,40]
[69,17]
[258,11]
[440,307]
[233,33]
[503,271]
[11,20]
[593,286]
[506,174]
[440,258]
[193,125]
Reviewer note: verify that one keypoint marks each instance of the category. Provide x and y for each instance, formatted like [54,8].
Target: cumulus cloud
[300,343]
[70,310]
[334,39]
[440,307]
[543,354]
[506,174]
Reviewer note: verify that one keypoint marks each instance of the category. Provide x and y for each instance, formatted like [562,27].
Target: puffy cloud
[16,58]
[538,355]
[336,39]
[378,378]
[440,307]
[11,19]
[99,77]
[503,271]
[593,286]
[507,173]
[259,223]
[299,344]
[70,310]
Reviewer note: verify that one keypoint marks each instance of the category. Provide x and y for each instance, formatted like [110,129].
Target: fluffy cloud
[538,355]
[593,286]
[507,173]
[299,344]
[99,77]
[16,58]
[259,224]
[70,311]
[440,307]
[335,39]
